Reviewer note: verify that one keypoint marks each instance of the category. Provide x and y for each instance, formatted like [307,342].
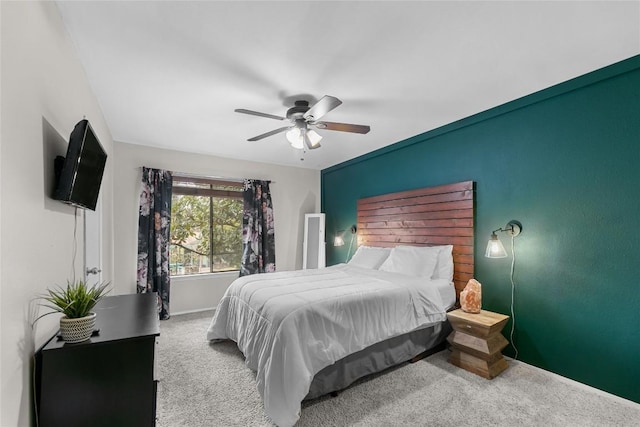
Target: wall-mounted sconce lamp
[495,248]
[339,239]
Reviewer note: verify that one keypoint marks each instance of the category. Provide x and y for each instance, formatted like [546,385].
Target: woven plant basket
[77,330]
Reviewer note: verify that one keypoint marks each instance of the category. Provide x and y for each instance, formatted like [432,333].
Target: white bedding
[290,325]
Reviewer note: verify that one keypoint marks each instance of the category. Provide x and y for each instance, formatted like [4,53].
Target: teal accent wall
[565,162]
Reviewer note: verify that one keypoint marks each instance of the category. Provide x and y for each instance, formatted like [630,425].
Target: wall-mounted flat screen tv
[79,174]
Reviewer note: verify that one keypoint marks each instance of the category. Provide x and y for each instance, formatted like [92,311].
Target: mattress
[291,325]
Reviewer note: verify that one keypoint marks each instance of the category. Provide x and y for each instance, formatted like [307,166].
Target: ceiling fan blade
[257,113]
[322,107]
[273,132]
[342,127]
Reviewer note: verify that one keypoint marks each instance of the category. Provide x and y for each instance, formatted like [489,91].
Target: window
[206,226]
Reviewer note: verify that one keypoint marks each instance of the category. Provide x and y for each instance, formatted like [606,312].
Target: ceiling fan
[302,117]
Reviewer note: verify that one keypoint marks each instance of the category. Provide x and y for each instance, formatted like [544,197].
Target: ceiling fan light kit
[301,116]
[296,137]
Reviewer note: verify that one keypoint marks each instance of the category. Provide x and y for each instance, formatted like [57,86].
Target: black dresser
[108,380]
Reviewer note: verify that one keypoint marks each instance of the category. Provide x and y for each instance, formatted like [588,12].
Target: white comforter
[290,325]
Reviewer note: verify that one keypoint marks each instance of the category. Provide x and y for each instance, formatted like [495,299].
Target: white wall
[44,94]
[295,191]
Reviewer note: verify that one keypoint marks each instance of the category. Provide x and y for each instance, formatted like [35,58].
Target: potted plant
[76,302]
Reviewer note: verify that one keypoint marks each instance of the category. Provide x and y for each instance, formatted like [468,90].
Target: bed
[310,332]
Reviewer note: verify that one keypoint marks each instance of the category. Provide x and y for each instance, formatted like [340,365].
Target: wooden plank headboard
[442,215]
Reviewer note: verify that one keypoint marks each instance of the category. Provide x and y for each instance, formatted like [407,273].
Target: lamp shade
[295,138]
[338,240]
[314,137]
[495,248]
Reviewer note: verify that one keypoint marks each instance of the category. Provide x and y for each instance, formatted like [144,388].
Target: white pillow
[418,261]
[369,257]
[444,267]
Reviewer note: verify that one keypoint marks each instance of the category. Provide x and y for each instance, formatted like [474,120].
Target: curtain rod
[222,178]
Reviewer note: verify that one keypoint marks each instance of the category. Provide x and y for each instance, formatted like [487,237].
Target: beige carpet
[204,384]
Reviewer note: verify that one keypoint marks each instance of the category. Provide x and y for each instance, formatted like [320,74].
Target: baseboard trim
[578,384]
[199,310]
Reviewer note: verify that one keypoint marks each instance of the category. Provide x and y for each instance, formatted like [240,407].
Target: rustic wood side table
[477,342]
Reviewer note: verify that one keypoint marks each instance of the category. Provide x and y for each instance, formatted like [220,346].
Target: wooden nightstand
[477,342]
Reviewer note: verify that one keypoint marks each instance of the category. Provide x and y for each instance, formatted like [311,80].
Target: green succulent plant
[76,300]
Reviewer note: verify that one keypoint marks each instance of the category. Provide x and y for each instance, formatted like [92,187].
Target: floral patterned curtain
[153,236]
[258,241]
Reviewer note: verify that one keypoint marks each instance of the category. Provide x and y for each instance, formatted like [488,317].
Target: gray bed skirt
[376,358]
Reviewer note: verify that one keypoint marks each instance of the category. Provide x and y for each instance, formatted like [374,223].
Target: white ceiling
[170,74]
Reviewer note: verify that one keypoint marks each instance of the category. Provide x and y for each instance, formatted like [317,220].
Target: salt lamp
[471,297]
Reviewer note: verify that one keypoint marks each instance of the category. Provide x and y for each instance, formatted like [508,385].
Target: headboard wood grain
[442,215]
